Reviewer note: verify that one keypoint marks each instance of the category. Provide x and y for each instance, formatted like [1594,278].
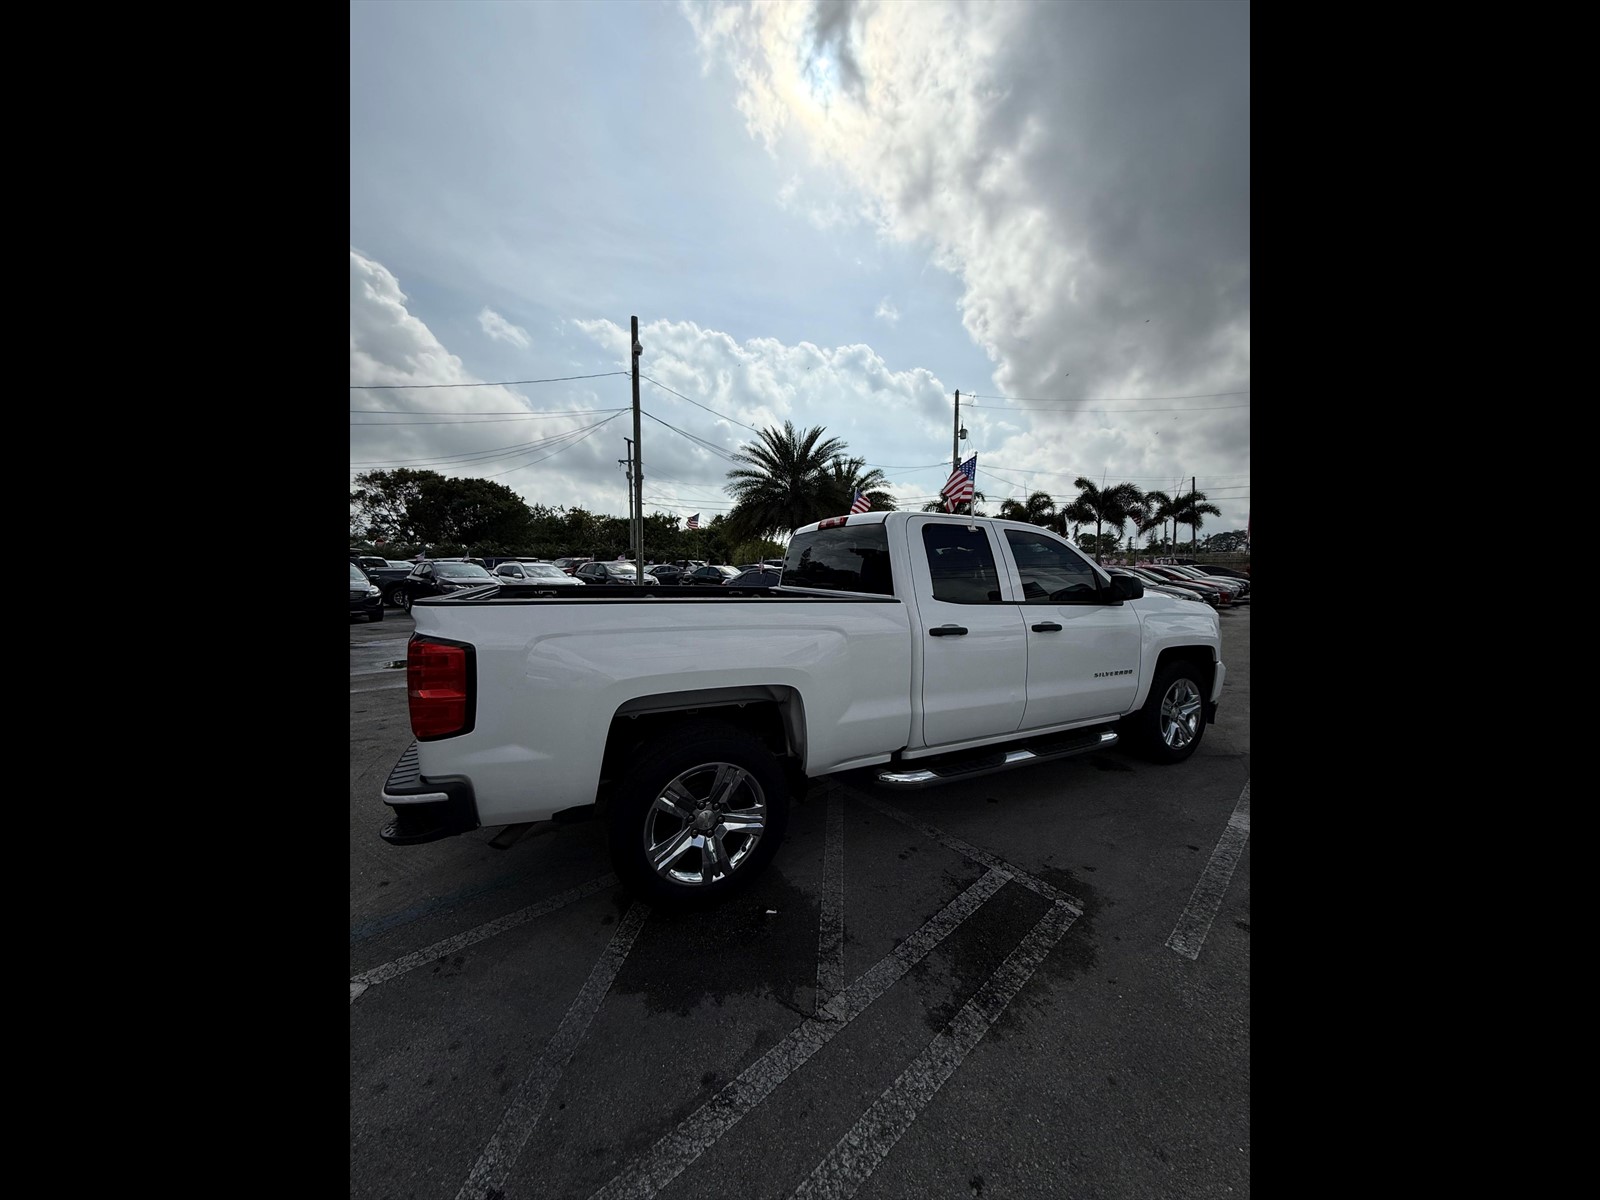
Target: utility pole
[637,510]
[1194,536]
[955,437]
[627,470]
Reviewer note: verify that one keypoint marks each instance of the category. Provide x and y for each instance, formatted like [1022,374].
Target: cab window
[1052,573]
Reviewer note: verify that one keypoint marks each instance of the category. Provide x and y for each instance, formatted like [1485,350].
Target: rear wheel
[403,599]
[1169,727]
[698,816]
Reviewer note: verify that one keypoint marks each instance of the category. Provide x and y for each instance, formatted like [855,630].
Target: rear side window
[846,558]
[961,563]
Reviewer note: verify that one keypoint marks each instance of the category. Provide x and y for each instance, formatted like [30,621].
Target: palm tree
[1191,509]
[1160,509]
[847,476]
[784,483]
[1107,506]
[1037,509]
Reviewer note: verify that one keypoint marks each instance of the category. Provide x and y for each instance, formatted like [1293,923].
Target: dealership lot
[1030,984]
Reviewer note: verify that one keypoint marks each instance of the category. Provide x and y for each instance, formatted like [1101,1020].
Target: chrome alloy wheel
[1180,713]
[704,824]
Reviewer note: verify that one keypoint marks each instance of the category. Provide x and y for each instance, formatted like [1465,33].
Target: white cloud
[1083,169]
[502,330]
[887,311]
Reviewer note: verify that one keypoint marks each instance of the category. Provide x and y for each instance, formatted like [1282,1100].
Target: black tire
[1170,726]
[403,599]
[668,802]
[392,596]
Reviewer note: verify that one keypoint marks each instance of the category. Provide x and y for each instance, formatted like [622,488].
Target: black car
[366,597]
[620,572]
[666,573]
[756,577]
[709,576]
[434,578]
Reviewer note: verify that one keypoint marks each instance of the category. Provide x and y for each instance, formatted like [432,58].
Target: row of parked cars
[375,582]
[1220,587]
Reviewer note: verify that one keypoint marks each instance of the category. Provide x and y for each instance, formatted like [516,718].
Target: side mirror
[1126,587]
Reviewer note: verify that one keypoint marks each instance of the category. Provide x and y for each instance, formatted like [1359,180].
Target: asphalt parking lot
[1034,984]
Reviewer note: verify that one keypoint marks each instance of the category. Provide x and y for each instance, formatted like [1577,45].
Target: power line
[497,452]
[563,449]
[1103,399]
[501,383]
[697,404]
[494,421]
[1110,411]
[516,412]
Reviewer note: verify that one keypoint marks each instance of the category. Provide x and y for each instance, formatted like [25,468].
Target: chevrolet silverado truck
[916,647]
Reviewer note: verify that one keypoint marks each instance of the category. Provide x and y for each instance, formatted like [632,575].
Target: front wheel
[698,816]
[1169,727]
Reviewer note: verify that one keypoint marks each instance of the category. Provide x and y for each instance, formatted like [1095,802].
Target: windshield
[621,569]
[543,571]
[356,574]
[460,571]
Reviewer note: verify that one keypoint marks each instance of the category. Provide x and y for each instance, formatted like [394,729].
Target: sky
[836,214]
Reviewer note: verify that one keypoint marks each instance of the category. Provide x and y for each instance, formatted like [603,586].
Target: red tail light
[440,685]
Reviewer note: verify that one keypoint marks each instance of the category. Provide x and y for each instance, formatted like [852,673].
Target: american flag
[694,521]
[862,504]
[958,488]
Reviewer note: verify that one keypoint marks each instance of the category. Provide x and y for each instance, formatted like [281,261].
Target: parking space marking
[1190,932]
[950,841]
[488,1174]
[390,970]
[856,1155]
[701,1129]
[830,934]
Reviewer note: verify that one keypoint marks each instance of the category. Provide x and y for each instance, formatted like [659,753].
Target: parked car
[1161,589]
[571,563]
[1226,572]
[758,577]
[709,576]
[613,573]
[1239,587]
[366,597]
[535,572]
[666,573]
[1211,595]
[439,577]
[1173,575]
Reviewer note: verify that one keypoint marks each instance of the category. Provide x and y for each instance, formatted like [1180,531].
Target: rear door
[974,642]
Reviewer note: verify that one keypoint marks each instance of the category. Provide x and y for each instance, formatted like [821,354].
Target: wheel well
[771,715]
[1199,657]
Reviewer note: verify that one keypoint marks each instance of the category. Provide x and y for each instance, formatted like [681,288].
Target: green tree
[847,476]
[1192,509]
[381,504]
[1037,509]
[479,514]
[1103,506]
[784,482]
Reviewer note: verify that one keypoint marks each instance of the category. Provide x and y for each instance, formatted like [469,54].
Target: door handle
[947,631]
[1047,627]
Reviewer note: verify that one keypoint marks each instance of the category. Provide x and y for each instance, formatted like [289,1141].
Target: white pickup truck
[922,646]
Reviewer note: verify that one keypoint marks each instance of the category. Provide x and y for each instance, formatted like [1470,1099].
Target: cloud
[502,330]
[887,311]
[1082,168]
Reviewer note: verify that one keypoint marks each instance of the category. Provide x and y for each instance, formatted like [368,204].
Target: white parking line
[700,1130]
[857,1154]
[488,1175]
[830,934]
[360,983]
[1190,932]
